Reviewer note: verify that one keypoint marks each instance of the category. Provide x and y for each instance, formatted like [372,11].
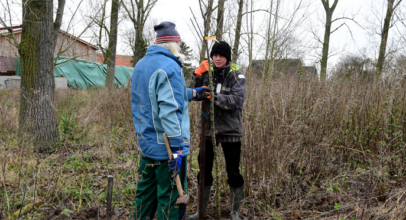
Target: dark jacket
[228,102]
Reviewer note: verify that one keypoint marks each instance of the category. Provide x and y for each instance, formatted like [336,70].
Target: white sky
[368,13]
[343,41]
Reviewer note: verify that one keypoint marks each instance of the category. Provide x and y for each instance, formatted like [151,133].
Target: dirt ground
[378,206]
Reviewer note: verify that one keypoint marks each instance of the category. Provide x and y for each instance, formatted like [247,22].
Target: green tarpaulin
[83,74]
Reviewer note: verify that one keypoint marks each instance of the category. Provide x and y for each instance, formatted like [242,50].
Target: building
[78,59]
[283,66]
[121,60]
[69,45]
[8,66]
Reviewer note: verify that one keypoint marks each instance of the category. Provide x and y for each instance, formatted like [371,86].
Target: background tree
[58,22]
[37,112]
[392,5]
[358,67]
[280,34]
[187,65]
[220,20]
[111,51]
[250,34]
[237,31]
[271,38]
[101,30]
[327,32]
[206,12]
[138,12]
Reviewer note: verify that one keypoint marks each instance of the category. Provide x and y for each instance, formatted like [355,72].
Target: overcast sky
[349,39]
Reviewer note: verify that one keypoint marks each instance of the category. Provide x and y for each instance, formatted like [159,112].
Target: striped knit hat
[166,32]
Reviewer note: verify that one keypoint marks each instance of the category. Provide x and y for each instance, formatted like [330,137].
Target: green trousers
[157,192]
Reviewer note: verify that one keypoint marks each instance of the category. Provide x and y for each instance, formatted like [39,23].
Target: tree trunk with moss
[207,19]
[384,38]
[111,51]
[37,111]
[220,20]
[137,13]
[237,31]
[327,32]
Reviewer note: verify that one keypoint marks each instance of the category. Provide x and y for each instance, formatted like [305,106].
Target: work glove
[175,163]
[202,93]
[204,67]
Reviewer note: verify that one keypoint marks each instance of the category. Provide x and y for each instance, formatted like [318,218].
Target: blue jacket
[160,104]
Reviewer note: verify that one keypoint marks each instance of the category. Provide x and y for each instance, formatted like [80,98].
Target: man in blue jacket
[160,105]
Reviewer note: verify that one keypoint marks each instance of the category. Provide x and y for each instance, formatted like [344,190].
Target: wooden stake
[109,195]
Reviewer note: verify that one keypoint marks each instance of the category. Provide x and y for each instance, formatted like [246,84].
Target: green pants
[157,192]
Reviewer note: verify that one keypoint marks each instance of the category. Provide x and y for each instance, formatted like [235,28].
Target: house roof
[18,29]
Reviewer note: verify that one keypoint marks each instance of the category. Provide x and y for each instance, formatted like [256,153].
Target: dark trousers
[232,154]
[157,192]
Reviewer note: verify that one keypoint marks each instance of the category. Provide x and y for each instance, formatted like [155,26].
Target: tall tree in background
[37,112]
[327,32]
[384,36]
[250,38]
[220,20]
[271,39]
[238,31]
[206,11]
[187,66]
[102,30]
[138,12]
[111,50]
[281,43]
[58,23]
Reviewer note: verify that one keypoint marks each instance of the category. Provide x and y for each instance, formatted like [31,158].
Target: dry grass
[327,150]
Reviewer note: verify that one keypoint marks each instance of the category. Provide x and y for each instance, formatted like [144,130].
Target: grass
[332,149]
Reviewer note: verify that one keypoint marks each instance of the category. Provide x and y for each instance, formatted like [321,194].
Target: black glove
[202,93]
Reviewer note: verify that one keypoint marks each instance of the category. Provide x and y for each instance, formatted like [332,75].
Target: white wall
[13,82]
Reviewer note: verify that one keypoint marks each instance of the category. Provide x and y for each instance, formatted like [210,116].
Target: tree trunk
[384,39]
[326,43]
[269,61]
[138,13]
[207,20]
[139,47]
[58,22]
[238,31]
[220,20]
[37,112]
[271,68]
[111,52]
[101,25]
[250,24]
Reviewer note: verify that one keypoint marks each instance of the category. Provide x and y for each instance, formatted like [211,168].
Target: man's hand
[175,163]
[201,93]
[204,67]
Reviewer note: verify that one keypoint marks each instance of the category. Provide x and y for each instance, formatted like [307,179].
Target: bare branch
[347,18]
[337,28]
[198,30]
